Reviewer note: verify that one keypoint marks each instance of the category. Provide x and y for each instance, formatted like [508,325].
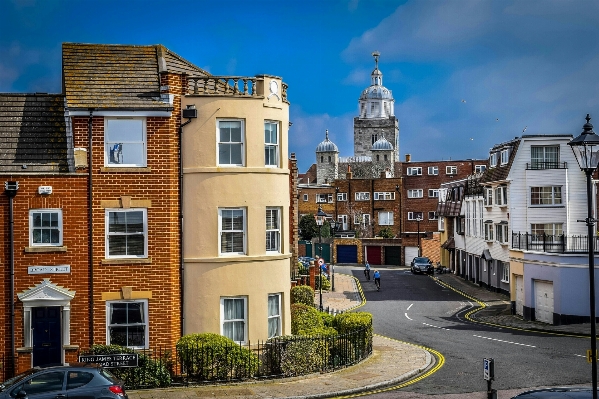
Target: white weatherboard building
[520,234]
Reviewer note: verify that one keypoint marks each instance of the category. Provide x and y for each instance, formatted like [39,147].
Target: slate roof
[118,76]
[500,172]
[34,134]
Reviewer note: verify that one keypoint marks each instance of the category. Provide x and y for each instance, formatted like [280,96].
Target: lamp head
[586,147]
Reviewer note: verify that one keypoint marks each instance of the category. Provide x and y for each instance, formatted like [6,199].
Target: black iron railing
[553,243]
[546,165]
[278,357]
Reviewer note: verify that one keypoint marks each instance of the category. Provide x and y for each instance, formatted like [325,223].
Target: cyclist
[377,279]
[367,271]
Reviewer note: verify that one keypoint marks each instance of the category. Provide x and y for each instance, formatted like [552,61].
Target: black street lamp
[586,151]
[334,225]
[320,217]
[418,220]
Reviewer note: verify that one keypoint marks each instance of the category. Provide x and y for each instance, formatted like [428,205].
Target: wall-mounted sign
[44,190]
[49,269]
[112,361]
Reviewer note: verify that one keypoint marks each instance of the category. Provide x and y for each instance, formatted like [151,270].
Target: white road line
[440,328]
[506,342]
[581,355]
[409,306]
[406,314]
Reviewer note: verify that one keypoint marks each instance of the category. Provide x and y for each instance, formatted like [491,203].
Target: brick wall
[431,247]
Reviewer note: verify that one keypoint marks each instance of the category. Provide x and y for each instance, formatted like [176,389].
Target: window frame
[451,170]
[384,196]
[241,143]
[305,197]
[277,317]
[434,170]
[541,196]
[434,215]
[414,215]
[493,160]
[418,191]
[480,168]
[501,196]
[244,320]
[59,227]
[108,234]
[505,272]
[504,156]
[362,196]
[414,171]
[489,231]
[434,192]
[501,233]
[322,198]
[488,196]
[145,323]
[108,144]
[275,231]
[543,161]
[270,145]
[221,231]
[341,196]
[362,219]
[388,218]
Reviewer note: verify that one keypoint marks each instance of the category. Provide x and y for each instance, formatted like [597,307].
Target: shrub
[301,355]
[352,321]
[327,319]
[304,317]
[326,283]
[149,373]
[342,353]
[212,356]
[319,331]
[302,294]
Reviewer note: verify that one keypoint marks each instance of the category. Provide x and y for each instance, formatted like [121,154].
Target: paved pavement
[391,363]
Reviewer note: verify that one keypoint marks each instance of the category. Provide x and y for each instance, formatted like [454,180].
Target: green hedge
[149,373]
[304,317]
[212,356]
[302,294]
[327,319]
[302,355]
[326,283]
[347,322]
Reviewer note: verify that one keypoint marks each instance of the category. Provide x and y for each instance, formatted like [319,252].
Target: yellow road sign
[590,355]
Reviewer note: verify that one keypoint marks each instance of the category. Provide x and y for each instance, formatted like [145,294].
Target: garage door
[347,254]
[544,301]
[520,295]
[411,253]
[373,255]
[393,256]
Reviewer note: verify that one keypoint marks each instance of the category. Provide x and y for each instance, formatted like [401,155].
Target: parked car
[422,264]
[76,380]
[556,393]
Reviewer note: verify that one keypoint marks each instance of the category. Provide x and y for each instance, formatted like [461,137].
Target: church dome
[376,92]
[382,144]
[327,145]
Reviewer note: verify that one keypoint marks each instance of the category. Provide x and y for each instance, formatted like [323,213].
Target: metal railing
[553,243]
[278,357]
[546,165]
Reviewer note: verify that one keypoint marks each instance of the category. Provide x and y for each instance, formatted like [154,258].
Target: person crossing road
[377,280]
[367,271]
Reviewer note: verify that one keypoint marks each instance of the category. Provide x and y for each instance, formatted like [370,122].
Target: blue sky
[464,74]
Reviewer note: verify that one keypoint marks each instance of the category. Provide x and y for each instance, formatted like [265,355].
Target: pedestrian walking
[367,271]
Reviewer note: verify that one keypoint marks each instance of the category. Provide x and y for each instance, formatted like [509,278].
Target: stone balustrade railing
[234,86]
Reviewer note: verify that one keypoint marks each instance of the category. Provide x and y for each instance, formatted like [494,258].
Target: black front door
[46,335]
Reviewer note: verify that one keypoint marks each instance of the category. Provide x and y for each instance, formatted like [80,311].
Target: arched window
[329,159]
[377,157]
[321,159]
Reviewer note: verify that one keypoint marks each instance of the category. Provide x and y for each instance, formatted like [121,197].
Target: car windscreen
[421,260]
[15,380]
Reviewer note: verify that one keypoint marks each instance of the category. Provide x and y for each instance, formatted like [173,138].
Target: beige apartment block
[236,202]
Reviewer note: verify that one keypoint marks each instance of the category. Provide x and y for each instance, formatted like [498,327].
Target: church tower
[327,161]
[377,119]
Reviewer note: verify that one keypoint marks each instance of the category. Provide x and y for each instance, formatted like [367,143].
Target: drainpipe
[90,228]
[10,189]
[181,261]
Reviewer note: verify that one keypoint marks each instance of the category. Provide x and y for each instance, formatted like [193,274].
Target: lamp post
[586,151]
[334,226]
[320,216]
[418,220]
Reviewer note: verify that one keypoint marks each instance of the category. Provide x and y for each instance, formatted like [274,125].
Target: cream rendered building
[235,207]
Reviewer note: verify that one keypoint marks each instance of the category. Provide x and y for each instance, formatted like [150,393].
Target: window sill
[127,261]
[45,249]
[504,281]
[116,169]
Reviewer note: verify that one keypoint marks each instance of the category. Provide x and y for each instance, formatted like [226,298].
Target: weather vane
[376,56]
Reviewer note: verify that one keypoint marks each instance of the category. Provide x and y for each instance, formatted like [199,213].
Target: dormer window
[505,156]
[493,160]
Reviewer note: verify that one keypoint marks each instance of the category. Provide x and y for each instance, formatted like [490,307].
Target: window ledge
[116,169]
[127,261]
[45,249]
[504,281]
[27,349]
[70,347]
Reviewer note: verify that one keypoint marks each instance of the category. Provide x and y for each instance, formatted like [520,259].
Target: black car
[422,264]
[77,380]
[557,393]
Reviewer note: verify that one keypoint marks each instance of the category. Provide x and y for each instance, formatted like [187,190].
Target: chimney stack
[408,157]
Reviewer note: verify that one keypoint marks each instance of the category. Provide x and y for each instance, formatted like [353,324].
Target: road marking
[506,342]
[409,306]
[406,314]
[580,355]
[440,328]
